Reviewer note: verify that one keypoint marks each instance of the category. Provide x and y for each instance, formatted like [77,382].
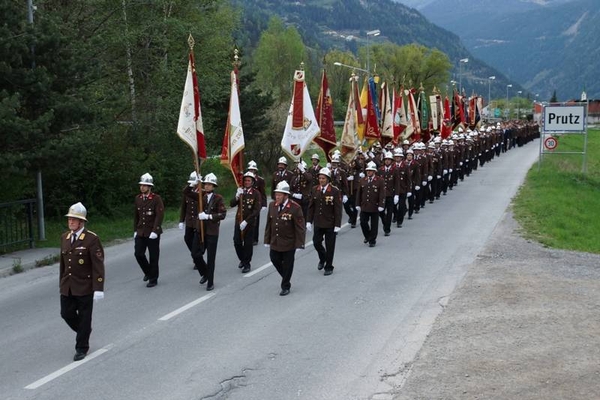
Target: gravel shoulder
[524,323]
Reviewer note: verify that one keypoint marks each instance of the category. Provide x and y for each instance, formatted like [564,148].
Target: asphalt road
[345,336]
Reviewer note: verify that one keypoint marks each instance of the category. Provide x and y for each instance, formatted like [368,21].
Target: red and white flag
[301,126]
[326,139]
[189,127]
[387,119]
[413,115]
[233,141]
[350,140]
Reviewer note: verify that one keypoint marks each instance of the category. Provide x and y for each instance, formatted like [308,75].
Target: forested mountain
[326,24]
[545,45]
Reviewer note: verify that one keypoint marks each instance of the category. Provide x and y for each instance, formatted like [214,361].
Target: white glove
[361,175]
[357,208]
[98,296]
[408,194]
[344,199]
[263,208]
[239,192]
[468,160]
[134,234]
[336,229]
[460,163]
[451,170]
[370,154]
[309,226]
[297,196]
[396,199]
[301,168]
[181,225]
[243,225]
[380,209]
[438,176]
[445,172]
[203,216]
[417,188]
[350,178]
[153,235]
[429,178]
[424,183]
[479,154]
[267,245]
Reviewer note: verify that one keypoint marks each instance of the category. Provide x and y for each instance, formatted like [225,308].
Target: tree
[279,52]
[554,99]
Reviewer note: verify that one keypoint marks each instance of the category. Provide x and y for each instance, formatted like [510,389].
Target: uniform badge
[99,255]
[100,279]
[81,262]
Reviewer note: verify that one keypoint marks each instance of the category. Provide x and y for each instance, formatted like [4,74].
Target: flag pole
[236,64]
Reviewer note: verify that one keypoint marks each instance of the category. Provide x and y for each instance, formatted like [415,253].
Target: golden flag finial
[191,42]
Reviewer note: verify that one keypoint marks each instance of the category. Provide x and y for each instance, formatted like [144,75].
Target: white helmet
[437,139]
[78,211]
[398,153]
[252,165]
[371,166]
[450,142]
[335,158]
[405,142]
[460,130]
[210,178]
[282,160]
[283,187]
[250,174]
[388,154]
[315,157]
[325,171]
[409,151]
[431,145]
[336,151]
[193,179]
[146,179]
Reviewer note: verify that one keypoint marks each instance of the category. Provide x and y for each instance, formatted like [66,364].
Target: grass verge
[558,205]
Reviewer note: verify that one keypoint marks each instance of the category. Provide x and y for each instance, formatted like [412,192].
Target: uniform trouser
[387,214]
[206,269]
[304,205]
[77,313]
[255,228]
[150,269]
[283,261]
[350,210]
[411,204]
[400,209]
[433,189]
[369,231]
[188,237]
[424,195]
[461,171]
[244,243]
[325,253]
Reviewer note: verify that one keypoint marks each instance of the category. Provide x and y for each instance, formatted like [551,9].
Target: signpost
[563,119]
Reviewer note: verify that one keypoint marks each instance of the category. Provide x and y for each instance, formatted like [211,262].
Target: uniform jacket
[389,179]
[148,215]
[403,178]
[189,207]
[81,268]
[259,184]
[339,180]
[285,230]
[325,209]
[314,172]
[370,195]
[278,176]
[249,205]
[216,209]
[301,183]
[415,173]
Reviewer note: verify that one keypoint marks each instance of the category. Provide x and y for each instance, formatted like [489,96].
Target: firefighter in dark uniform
[387,172]
[300,186]
[281,174]
[414,170]
[325,217]
[249,203]
[213,211]
[404,185]
[81,277]
[188,214]
[355,174]
[370,200]
[284,233]
[259,184]
[147,225]
[314,169]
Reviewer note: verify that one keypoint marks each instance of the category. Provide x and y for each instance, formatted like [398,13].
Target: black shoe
[366,241]
[203,280]
[246,269]
[430,201]
[240,265]
[320,266]
[352,225]
[195,267]
[328,272]
[394,220]
[210,287]
[151,284]
[416,211]
[284,292]
[145,278]
[79,355]
[409,217]
[386,234]
[398,225]
[371,244]
[255,243]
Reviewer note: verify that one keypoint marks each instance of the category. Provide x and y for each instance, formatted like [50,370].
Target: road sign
[550,143]
[564,118]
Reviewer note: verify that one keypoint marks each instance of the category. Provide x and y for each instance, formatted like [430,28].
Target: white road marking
[186,307]
[68,368]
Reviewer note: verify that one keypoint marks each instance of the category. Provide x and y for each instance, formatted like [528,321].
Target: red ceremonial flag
[233,141]
[447,123]
[326,139]
[372,125]
[298,101]
[398,111]
[414,116]
[189,127]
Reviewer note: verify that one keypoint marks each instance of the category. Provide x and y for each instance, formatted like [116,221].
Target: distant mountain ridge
[545,45]
[327,24]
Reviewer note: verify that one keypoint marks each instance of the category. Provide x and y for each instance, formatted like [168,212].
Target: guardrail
[16,224]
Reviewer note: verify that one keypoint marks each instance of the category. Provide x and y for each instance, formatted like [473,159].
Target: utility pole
[38,175]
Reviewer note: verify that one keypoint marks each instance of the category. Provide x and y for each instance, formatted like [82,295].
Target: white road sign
[559,118]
